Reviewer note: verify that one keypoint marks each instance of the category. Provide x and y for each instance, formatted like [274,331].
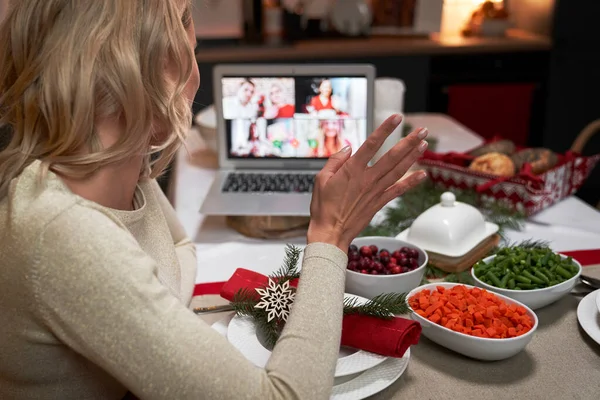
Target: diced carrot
[435,318]
[475,312]
[421,313]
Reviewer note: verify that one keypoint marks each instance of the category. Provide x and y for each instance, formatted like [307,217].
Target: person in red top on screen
[330,138]
[325,100]
[278,108]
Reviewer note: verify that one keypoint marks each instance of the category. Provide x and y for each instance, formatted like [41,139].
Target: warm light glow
[456,12]
[478,2]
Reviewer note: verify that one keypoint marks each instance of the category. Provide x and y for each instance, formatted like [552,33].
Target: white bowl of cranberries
[379,265]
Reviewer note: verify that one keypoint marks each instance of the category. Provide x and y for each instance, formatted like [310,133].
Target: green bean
[504,281]
[493,279]
[540,274]
[524,268]
[532,278]
[525,286]
[563,272]
[522,279]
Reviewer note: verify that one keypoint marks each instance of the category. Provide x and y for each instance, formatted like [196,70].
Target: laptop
[277,125]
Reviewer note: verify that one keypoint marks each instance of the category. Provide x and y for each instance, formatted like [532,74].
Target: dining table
[560,362]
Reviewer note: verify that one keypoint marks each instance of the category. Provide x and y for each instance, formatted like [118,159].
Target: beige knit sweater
[93,303]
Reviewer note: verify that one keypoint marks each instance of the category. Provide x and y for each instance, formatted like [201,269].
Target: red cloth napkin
[389,338]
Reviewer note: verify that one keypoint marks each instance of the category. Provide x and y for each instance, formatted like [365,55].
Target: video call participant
[330,138]
[241,105]
[277,107]
[324,100]
[255,146]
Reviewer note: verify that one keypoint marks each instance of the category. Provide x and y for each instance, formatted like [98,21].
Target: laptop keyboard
[265,183]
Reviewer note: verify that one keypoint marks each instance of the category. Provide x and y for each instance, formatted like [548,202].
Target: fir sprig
[244,301]
[528,244]
[414,202]
[289,270]
[383,306]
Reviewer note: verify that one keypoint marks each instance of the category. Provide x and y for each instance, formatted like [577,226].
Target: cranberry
[385,260]
[390,267]
[353,265]
[393,260]
[377,266]
[353,248]
[414,264]
[413,253]
[364,271]
[384,253]
[396,270]
[373,272]
[364,263]
[374,249]
[396,254]
[402,260]
[406,269]
[365,251]
[354,256]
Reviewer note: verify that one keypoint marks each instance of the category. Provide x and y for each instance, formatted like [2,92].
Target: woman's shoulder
[39,206]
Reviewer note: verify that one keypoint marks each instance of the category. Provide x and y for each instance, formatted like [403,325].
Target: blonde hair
[321,135]
[65,64]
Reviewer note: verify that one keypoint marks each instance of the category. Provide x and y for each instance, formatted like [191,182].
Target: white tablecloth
[568,225]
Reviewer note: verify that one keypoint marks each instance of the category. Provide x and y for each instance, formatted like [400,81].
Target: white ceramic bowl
[472,346]
[535,298]
[370,286]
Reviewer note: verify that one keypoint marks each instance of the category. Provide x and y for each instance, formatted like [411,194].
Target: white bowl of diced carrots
[472,321]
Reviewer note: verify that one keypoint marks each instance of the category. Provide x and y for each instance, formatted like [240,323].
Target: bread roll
[541,160]
[495,164]
[502,146]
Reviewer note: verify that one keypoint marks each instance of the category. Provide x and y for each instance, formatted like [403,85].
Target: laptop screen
[305,117]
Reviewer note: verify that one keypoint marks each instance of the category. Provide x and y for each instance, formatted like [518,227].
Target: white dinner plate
[243,336]
[589,316]
[358,386]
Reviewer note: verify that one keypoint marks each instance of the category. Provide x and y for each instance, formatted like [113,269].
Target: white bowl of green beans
[536,277]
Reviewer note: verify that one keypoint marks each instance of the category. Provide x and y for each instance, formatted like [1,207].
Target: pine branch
[383,306]
[432,272]
[460,277]
[269,330]
[414,202]
[529,244]
[244,301]
[289,270]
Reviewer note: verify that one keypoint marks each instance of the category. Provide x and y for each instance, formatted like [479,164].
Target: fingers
[336,161]
[403,148]
[402,165]
[400,187]
[367,151]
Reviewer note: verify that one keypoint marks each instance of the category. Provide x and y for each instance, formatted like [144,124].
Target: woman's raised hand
[348,192]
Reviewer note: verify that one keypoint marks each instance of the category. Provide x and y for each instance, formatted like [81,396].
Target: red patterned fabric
[525,192]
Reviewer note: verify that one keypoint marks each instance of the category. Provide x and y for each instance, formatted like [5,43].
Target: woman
[277,107]
[97,274]
[330,137]
[255,146]
[325,99]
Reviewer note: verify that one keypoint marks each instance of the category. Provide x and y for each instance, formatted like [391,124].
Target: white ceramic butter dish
[450,228]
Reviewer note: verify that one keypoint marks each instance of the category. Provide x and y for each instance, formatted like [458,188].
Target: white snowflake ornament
[276,299]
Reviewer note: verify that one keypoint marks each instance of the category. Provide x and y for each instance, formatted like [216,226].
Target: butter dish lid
[450,228]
